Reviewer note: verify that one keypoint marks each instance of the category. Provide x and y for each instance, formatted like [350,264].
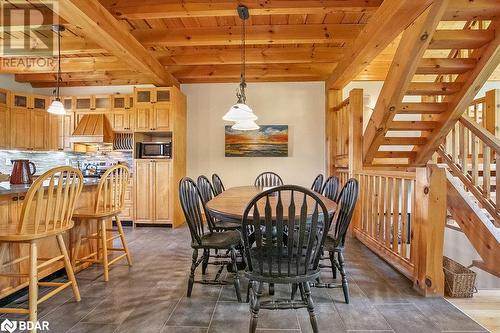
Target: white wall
[298,105]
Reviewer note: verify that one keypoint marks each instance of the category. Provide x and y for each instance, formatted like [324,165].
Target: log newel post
[491,117]
[333,98]
[428,230]
[356,144]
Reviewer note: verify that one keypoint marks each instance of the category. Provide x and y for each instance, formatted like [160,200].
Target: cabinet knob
[15,198]
[21,197]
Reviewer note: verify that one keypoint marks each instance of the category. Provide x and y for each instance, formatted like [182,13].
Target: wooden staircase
[435,74]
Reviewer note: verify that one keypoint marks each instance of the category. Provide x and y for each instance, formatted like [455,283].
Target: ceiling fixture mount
[240,112]
[56,107]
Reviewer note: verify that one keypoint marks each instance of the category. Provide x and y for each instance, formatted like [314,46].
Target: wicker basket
[459,280]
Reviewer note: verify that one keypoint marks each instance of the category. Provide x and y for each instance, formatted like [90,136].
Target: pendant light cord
[241,94]
[58,62]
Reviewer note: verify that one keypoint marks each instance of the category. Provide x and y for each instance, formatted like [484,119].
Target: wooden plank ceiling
[198,41]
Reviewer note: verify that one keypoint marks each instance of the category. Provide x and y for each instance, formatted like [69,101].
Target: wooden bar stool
[46,212]
[108,204]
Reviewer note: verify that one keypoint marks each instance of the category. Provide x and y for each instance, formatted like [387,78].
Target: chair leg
[4,247]
[33,285]
[236,277]
[255,305]
[191,275]
[345,285]
[204,265]
[332,263]
[124,241]
[302,293]
[310,306]
[76,251]
[104,250]
[248,290]
[295,286]
[69,269]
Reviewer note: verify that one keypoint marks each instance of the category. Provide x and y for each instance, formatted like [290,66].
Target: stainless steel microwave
[155,150]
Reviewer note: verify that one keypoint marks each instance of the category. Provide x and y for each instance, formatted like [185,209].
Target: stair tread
[460,39]
[423,108]
[445,65]
[433,88]
[417,125]
[394,140]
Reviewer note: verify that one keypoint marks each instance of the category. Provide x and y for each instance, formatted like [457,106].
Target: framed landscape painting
[267,141]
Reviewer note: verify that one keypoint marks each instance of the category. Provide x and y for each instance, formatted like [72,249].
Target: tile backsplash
[45,160]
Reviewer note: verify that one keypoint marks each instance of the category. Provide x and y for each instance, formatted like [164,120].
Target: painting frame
[267,141]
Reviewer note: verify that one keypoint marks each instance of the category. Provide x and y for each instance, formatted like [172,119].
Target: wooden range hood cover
[93,128]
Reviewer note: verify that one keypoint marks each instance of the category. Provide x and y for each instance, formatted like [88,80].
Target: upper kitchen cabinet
[4,118]
[97,103]
[153,109]
[19,100]
[68,103]
[39,103]
[4,98]
[122,114]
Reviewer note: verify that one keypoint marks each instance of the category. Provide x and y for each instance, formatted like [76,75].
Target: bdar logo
[8,326]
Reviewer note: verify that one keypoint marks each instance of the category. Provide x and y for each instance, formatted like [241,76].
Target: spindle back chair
[331,188]
[283,244]
[46,212]
[267,179]
[218,185]
[317,184]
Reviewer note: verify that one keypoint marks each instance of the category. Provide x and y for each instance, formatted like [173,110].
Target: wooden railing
[399,215]
[473,155]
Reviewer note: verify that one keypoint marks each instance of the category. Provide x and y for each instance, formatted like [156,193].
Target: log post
[428,230]
[356,145]
[333,98]
[491,116]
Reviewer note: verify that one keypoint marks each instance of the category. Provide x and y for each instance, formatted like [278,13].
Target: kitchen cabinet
[4,127]
[127,213]
[38,129]
[94,103]
[152,111]
[83,103]
[152,191]
[4,98]
[122,115]
[19,128]
[52,133]
[65,130]
[19,100]
[68,103]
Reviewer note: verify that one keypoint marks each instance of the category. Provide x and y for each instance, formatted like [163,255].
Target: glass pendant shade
[56,108]
[245,125]
[239,112]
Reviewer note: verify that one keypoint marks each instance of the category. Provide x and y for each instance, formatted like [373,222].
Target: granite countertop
[7,189]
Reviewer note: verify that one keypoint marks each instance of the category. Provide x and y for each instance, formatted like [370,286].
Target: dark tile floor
[150,297]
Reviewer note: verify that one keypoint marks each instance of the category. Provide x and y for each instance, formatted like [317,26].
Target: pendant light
[56,107]
[240,112]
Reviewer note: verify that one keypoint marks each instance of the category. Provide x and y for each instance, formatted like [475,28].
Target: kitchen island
[11,203]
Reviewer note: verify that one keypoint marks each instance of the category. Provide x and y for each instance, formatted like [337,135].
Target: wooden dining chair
[46,212]
[207,193]
[317,184]
[331,188]
[335,240]
[218,185]
[207,240]
[282,245]
[267,179]
[108,204]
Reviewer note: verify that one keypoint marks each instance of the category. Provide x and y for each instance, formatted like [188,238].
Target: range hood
[93,129]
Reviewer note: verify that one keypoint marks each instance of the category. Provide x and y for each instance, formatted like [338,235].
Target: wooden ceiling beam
[392,17]
[460,39]
[252,71]
[255,35]
[69,46]
[47,84]
[103,28]
[275,55]
[158,9]
[21,65]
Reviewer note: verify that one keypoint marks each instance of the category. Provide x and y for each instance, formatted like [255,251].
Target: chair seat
[227,225]
[12,236]
[89,213]
[331,245]
[219,240]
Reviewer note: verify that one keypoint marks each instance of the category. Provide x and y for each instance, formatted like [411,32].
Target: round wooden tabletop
[230,204]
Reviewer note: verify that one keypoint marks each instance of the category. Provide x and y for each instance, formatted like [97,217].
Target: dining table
[230,205]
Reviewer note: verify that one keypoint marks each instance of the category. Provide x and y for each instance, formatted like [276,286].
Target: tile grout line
[215,308]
